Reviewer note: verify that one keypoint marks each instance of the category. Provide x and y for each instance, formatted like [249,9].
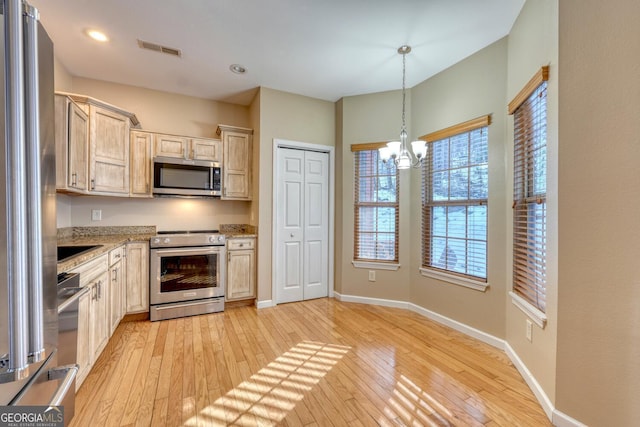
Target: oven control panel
[187,239]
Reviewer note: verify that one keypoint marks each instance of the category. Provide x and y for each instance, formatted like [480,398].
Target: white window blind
[529,192]
[376,210]
[454,201]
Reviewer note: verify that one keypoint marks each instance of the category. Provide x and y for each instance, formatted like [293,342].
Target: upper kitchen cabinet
[183,147]
[140,164]
[236,157]
[72,145]
[105,150]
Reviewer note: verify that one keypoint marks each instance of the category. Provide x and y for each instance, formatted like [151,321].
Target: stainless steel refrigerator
[29,371]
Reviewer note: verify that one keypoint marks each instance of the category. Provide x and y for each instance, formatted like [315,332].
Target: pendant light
[397,150]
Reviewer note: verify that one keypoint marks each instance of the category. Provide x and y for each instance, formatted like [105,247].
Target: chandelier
[397,150]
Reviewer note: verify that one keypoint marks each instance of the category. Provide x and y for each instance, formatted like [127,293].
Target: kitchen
[191,370]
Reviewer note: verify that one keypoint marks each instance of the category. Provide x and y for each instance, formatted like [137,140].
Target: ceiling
[324,49]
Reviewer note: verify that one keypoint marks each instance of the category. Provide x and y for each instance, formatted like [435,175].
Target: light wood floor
[314,363]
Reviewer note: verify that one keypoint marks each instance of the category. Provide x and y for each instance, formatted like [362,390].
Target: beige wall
[370,118]
[292,117]
[62,80]
[161,112]
[472,88]
[164,213]
[598,368]
[533,42]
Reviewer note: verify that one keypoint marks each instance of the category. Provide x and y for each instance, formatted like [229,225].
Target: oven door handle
[189,251]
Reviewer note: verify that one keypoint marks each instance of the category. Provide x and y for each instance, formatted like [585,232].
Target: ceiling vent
[158,48]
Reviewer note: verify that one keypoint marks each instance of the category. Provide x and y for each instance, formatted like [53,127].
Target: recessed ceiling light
[237,68]
[97,35]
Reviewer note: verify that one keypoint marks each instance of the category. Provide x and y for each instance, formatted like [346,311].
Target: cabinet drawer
[237,244]
[92,269]
[116,255]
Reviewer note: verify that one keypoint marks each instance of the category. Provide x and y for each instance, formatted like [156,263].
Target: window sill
[450,278]
[375,265]
[537,316]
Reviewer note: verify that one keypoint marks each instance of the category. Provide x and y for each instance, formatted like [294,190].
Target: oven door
[185,274]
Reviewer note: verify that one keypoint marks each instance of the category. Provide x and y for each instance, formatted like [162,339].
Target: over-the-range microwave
[183,177]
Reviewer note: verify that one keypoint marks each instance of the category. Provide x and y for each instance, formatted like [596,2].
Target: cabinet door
[137,277]
[115,299]
[140,172]
[171,146]
[83,354]
[99,317]
[109,151]
[240,275]
[237,164]
[206,149]
[78,143]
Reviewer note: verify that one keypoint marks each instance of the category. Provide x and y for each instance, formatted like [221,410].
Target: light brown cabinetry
[183,147]
[140,164]
[137,277]
[236,157]
[241,269]
[117,286]
[92,146]
[72,145]
[93,314]
[109,151]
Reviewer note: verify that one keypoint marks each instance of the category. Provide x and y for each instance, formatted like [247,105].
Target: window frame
[427,269]
[375,263]
[525,196]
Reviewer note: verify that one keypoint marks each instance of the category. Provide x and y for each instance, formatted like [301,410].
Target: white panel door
[290,230]
[302,264]
[316,227]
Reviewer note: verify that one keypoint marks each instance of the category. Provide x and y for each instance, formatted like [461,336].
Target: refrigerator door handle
[34,220]
[68,372]
[16,195]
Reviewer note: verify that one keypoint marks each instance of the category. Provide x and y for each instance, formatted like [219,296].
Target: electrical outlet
[372,275]
[529,330]
[96,215]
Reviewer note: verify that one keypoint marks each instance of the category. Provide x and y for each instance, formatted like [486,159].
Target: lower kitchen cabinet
[137,277]
[241,269]
[117,286]
[93,314]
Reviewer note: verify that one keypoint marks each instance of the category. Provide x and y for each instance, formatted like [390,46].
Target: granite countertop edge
[107,242]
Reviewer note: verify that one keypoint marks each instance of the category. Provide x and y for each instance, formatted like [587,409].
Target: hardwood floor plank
[313,363]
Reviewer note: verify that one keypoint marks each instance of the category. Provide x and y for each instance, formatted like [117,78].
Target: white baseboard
[558,418]
[561,419]
[533,384]
[460,327]
[264,304]
[371,301]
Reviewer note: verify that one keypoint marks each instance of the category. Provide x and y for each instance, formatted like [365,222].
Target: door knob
[291,235]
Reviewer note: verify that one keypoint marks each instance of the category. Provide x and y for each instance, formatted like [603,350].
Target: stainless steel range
[187,273]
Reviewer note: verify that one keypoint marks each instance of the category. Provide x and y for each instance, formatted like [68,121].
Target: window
[376,206]
[529,191]
[455,187]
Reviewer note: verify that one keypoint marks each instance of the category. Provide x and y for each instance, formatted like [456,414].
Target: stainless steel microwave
[183,177]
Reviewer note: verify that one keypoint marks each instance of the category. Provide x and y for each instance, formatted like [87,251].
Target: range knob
[220,238]
[156,240]
[166,240]
[212,239]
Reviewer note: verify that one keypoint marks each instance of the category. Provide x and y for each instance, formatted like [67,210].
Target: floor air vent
[159,48]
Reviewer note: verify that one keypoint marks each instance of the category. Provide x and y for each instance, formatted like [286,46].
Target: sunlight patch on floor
[411,406]
[269,395]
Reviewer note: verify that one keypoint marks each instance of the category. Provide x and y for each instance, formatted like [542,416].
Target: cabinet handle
[241,245]
[74,179]
[115,275]
[94,293]
[99,289]
[93,184]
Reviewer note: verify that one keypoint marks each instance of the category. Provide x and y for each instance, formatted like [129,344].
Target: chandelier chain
[404,58]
